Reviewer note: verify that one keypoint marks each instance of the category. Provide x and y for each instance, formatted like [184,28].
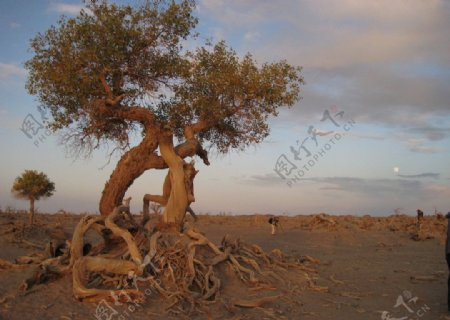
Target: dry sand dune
[370,268]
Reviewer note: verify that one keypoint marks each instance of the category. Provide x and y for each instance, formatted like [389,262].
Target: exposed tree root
[186,269]
[9,265]
[44,273]
[124,234]
[101,265]
[76,250]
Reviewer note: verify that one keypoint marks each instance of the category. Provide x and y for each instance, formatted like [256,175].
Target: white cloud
[439,188]
[11,70]
[365,136]
[66,8]
[252,36]
[386,62]
[238,13]
[14,25]
[420,146]
[341,33]
[218,34]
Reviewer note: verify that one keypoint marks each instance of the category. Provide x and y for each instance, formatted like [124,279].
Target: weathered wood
[76,249]
[124,234]
[101,265]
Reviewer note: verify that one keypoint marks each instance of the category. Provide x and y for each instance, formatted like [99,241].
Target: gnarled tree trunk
[189,174]
[131,166]
[144,157]
[177,203]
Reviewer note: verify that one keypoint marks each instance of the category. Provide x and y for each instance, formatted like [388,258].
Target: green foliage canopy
[116,69]
[33,185]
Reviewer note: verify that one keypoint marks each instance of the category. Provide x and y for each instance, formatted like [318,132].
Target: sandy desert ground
[370,268]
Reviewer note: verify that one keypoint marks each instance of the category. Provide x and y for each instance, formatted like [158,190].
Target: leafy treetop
[117,69]
[33,185]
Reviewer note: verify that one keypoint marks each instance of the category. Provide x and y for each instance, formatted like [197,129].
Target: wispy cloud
[252,36]
[363,136]
[370,187]
[409,186]
[367,137]
[442,189]
[11,70]
[420,175]
[432,133]
[268,179]
[66,8]
[393,69]
[236,13]
[421,146]
[14,25]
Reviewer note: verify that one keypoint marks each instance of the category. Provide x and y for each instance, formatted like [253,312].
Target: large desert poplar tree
[117,70]
[32,186]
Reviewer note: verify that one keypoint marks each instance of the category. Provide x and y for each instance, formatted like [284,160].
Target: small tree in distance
[32,185]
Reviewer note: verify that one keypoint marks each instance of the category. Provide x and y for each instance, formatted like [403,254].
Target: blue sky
[385,64]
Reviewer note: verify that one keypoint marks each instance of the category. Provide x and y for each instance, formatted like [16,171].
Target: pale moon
[396,169]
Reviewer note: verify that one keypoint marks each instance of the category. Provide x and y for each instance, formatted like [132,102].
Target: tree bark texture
[131,166]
